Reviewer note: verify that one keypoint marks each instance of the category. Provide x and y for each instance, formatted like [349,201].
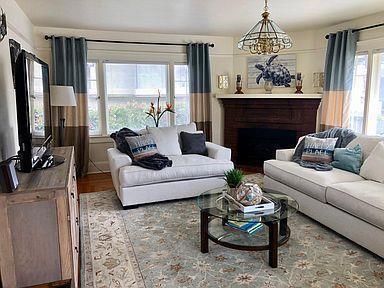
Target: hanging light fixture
[266,37]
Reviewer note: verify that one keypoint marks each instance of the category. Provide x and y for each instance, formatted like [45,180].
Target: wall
[226,59]
[20,29]
[310,48]
[221,63]
[307,55]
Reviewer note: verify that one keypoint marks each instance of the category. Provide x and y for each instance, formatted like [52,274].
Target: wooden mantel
[269,96]
[262,121]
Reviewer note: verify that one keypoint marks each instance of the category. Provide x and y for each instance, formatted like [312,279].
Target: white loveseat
[189,175]
[342,201]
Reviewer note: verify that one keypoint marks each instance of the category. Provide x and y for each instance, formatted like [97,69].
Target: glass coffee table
[216,211]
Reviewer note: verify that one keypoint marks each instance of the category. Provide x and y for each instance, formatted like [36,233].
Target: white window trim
[101,80]
[369,47]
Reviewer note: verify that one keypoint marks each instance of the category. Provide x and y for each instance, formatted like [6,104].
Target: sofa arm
[218,152]
[285,154]
[116,161]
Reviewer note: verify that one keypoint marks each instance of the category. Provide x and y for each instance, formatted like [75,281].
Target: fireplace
[256,125]
[259,144]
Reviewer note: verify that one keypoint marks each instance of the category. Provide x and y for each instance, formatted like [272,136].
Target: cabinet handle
[74,178]
[72,195]
[77,250]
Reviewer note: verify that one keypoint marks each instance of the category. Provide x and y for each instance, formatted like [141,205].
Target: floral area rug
[158,245]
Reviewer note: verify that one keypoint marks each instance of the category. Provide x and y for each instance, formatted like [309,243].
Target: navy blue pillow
[193,143]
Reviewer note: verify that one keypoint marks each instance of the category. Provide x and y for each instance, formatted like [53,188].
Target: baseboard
[102,165]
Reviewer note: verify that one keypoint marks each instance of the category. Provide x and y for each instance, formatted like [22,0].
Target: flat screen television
[33,109]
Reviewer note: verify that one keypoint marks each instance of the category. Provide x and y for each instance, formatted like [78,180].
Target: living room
[224,97]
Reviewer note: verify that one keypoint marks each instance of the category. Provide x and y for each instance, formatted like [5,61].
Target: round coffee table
[216,211]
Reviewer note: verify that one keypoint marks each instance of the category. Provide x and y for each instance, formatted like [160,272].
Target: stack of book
[249,227]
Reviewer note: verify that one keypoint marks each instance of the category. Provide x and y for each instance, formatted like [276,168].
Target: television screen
[33,109]
[39,102]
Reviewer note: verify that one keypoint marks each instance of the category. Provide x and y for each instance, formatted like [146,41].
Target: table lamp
[62,96]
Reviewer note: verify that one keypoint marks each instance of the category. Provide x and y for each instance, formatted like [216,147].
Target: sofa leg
[129,207]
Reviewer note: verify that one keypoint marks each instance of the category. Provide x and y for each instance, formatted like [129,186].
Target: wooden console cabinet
[39,227]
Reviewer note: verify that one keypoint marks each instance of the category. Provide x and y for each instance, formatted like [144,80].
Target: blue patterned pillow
[318,150]
[348,159]
[142,146]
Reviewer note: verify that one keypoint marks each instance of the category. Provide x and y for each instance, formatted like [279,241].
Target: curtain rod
[134,42]
[363,28]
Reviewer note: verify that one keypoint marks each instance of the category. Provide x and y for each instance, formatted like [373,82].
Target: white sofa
[340,200]
[189,175]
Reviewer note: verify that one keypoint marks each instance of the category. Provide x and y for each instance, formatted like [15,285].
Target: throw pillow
[142,146]
[121,143]
[193,143]
[348,159]
[318,150]
[166,140]
[372,168]
[190,128]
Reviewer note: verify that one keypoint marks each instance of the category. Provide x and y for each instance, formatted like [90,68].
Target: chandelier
[265,37]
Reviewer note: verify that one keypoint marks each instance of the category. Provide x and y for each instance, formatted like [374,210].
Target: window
[181,94]
[376,99]
[36,99]
[358,93]
[130,88]
[121,92]
[93,99]
[367,101]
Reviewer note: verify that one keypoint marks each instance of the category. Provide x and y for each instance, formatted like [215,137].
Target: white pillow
[373,167]
[167,140]
[190,128]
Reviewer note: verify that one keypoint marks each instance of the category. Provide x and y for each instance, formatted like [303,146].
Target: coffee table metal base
[272,246]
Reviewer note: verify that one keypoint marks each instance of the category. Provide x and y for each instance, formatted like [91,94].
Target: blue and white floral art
[275,72]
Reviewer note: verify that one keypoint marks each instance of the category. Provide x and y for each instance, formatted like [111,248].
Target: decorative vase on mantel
[268,86]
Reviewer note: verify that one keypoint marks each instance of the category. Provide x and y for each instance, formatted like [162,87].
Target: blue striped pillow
[318,150]
[142,146]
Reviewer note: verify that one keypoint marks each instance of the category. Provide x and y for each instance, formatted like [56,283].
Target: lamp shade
[62,96]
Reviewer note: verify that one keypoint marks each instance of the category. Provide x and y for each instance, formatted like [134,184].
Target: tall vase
[268,86]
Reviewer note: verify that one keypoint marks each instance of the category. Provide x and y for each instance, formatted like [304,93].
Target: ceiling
[200,17]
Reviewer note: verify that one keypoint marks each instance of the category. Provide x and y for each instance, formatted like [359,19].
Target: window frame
[99,97]
[102,86]
[369,47]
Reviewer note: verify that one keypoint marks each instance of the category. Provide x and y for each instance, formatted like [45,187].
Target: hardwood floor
[95,183]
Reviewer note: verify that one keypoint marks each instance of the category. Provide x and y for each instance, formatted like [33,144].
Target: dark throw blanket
[345,136]
[154,162]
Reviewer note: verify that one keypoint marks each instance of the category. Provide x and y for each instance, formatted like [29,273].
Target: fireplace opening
[255,145]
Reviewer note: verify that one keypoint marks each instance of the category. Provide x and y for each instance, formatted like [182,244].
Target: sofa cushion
[367,143]
[193,143]
[167,140]
[184,167]
[373,167]
[318,150]
[363,199]
[142,146]
[308,181]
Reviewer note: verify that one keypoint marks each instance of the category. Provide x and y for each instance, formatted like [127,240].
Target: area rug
[158,245]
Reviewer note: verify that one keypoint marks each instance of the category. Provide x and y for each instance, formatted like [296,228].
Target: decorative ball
[249,194]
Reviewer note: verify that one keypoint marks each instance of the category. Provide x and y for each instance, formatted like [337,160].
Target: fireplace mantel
[260,118]
[269,96]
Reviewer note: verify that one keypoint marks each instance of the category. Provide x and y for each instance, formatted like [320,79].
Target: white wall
[20,29]
[307,55]
[310,48]
[226,59]
[221,63]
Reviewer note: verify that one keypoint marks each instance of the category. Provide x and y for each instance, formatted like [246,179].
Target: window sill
[100,139]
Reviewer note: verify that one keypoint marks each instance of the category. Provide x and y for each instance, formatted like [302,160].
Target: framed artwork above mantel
[286,60]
